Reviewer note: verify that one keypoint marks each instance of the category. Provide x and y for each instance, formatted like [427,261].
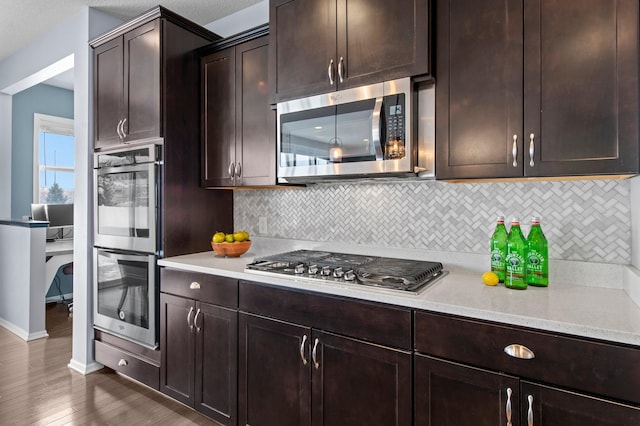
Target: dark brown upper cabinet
[317,46]
[238,124]
[134,70]
[536,88]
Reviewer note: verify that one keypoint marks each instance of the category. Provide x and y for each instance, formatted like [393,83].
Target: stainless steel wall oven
[127,188]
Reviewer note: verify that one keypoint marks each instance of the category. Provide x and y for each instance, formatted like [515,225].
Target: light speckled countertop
[599,301]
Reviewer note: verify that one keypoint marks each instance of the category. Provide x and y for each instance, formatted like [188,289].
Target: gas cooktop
[384,272]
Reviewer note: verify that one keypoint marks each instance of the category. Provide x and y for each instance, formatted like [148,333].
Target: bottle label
[535,262]
[515,264]
[497,259]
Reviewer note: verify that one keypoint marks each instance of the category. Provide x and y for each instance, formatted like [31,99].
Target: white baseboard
[23,334]
[84,369]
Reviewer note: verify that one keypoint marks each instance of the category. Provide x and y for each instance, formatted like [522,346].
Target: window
[54,160]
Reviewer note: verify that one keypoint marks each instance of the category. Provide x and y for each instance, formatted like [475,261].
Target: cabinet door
[142,82]
[479,89]
[255,120]
[108,87]
[447,393]
[550,406]
[381,40]
[581,92]
[216,362]
[177,342]
[274,372]
[359,383]
[302,43]
[219,111]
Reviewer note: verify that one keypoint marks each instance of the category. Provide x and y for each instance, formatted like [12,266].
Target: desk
[58,253]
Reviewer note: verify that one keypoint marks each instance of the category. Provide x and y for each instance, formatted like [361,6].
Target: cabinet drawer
[128,364]
[595,367]
[206,288]
[373,322]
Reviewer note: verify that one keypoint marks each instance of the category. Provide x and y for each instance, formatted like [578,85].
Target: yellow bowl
[231,249]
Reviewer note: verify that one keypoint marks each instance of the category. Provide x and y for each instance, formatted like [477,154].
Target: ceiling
[23,21]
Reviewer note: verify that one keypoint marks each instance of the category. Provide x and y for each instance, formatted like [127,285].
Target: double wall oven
[126,241]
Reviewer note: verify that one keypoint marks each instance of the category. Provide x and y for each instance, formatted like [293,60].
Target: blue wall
[42,99]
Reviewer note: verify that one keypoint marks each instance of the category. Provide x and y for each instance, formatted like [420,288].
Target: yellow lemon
[228,238]
[218,237]
[490,278]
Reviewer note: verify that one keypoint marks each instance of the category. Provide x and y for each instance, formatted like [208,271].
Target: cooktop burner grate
[397,274]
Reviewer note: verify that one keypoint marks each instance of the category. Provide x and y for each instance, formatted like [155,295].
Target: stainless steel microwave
[368,131]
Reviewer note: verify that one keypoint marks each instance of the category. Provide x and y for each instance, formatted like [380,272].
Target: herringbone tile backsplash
[583,220]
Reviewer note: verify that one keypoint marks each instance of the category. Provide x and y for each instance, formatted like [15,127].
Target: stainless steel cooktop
[396,274]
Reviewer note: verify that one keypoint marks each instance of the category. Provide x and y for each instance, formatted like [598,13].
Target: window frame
[50,124]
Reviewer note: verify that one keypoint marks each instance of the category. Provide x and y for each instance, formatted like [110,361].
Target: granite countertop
[600,301]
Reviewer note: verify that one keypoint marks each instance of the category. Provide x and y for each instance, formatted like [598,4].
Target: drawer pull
[519,351]
[123,363]
[304,340]
[508,408]
[195,285]
[530,411]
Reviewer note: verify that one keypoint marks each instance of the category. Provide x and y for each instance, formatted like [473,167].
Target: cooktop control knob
[299,269]
[349,275]
[338,272]
[313,269]
[326,271]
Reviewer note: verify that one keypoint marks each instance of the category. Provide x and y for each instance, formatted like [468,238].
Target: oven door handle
[127,169]
[376,129]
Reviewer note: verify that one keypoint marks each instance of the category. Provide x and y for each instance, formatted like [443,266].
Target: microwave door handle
[376,129]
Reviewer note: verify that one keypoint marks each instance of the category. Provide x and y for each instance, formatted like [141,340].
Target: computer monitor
[60,215]
[39,212]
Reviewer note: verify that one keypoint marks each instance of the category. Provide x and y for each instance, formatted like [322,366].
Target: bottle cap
[535,219]
[500,218]
[515,221]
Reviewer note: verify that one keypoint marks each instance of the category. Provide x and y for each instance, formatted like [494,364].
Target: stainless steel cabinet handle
[341,72]
[508,408]
[532,149]
[530,411]
[118,130]
[519,351]
[238,170]
[195,285]
[302,357]
[189,322]
[123,363]
[314,354]
[330,72]
[232,169]
[514,151]
[195,320]
[124,132]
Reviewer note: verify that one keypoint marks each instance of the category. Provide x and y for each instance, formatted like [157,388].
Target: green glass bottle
[499,249]
[537,256]
[516,261]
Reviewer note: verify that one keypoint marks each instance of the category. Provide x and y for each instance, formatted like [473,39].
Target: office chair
[66,270]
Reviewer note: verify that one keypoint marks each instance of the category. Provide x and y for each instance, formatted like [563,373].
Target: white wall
[23,69]
[242,20]
[5,156]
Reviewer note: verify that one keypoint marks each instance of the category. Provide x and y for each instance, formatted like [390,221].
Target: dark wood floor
[37,387]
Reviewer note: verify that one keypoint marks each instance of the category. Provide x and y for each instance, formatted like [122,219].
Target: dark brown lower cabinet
[447,393]
[199,356]
[294,375]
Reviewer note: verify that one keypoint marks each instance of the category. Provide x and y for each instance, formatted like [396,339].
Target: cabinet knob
[519,351]
[123,363]
[195,285]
